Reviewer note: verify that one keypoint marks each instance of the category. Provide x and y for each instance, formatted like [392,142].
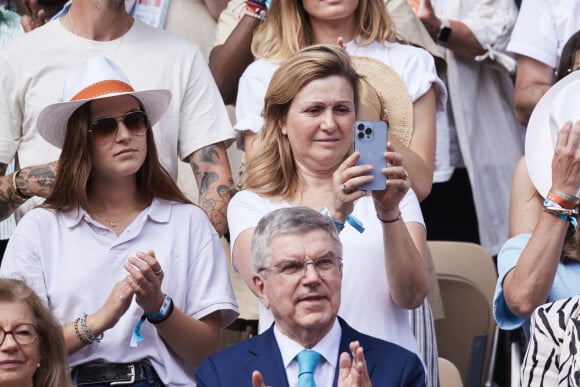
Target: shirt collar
[328,346]
[159,211]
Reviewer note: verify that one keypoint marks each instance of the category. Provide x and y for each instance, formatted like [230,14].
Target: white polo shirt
[73,262]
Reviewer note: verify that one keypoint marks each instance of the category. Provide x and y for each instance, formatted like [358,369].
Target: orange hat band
[101,88]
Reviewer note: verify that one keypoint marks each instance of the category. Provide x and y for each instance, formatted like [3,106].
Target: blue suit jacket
[388,363]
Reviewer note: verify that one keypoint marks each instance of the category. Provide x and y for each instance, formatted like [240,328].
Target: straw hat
[95,78]
[558,105]
[397,106]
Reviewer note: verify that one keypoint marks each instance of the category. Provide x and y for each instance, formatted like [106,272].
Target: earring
[37,365]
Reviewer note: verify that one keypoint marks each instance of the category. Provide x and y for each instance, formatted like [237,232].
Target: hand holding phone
[370,139]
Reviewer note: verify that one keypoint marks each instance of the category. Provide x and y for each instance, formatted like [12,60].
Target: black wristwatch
[444,32]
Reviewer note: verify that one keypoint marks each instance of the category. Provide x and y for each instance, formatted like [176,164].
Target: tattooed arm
[214,179]
[31,181]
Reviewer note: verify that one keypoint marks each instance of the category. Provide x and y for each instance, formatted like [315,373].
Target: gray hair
[287,221]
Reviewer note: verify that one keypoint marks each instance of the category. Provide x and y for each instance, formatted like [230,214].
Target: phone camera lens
[368,131]
[360,135]
[361,127]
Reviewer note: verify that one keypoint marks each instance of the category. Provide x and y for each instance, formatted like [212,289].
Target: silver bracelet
[90,335]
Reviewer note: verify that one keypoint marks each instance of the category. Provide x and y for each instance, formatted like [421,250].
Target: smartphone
[370,139]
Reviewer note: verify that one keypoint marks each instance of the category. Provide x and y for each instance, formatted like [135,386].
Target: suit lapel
[265,357]
[348,334]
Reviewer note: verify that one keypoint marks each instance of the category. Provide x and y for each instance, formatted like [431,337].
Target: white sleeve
[419,74]
[244,212]
[209,273]
[10,112]
[204,119]
[250,99]
[227,21]
[22,258]
[491,21]
[410,208]
[535,34]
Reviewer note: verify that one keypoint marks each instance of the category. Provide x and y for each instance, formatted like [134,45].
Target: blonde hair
[272,171]
[287,28]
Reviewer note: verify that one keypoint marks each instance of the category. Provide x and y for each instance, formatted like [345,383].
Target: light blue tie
[307,362]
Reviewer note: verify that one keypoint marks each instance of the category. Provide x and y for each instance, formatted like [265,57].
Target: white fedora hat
[94,79]
[560,104]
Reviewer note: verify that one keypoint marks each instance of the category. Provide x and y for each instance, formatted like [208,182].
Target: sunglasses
[104,128]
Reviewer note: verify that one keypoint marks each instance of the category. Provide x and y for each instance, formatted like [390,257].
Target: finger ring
[345,189]
[158,272]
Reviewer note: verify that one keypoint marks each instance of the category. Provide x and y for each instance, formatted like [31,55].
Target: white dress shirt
[327,347]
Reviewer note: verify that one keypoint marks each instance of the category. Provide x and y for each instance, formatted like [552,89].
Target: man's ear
[259,284]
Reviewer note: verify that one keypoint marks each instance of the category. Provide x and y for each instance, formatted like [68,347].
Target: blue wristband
[162,311]
[154,318]
[337,223]
[551,206]
[355,223]
[351,219]
[136,337]
[569,218]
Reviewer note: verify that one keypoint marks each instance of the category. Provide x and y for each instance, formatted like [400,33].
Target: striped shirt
[552,357]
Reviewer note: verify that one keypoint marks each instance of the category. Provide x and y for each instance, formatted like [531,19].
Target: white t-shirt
[414,65]
[366,301]
[543,27]
[73,262]
[35,65]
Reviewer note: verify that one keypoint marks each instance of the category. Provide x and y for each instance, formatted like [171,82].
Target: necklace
[83,48]
[115,222]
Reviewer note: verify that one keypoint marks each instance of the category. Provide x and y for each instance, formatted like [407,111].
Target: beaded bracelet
[88,332]
[258,14]
[81,337]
